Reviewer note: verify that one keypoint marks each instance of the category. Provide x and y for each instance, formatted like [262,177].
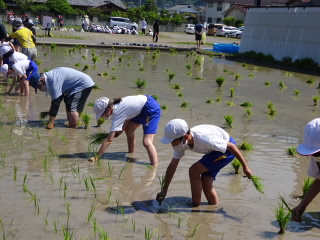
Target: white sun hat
[174,129]
[100,106]
[311,140]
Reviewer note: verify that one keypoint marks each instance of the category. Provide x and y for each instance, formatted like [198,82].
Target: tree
[229,21]
[24,5]
[60,7]
[3,5]
[150,6]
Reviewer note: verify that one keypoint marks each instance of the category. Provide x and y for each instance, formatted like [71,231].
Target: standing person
[3,32]
[128,113]
[26,39]
[218,147]
[143,26]
[310,147]
[156,30]
[198,33]
[66,84]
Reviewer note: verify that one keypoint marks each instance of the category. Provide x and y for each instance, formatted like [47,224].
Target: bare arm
[236,152]
[103,147]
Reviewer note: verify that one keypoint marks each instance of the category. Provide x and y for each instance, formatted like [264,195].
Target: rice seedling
[94,225]
[155,97]
[232,91]
[65,189]
[218,100]
[188,66]
[113,78]
[249,112]
[100,122]
[77,65]
[179,221]
[267,83]
[315,100]
[283,216]
[171,76]
[85,119]
[296,92]
[209,101]
[237,77]
[307,183]
[220,81]
[121,171]
[310,81]
[113,68]
[50,174]
[86,183]
[270,105]
[4,236]
[46,218]
[15,170]
[24,183]
[91,212]
[197,62]
[195,230]
[230,104]
[110,168]
[43,115]
[102,234]
[225,70]
[251,75]
[229,120]
[148,233]
[282,85]
[180,94]
[98,138]
[120,59]
[68,234]
[292,151]
[86,67]
[133,223]
[184,104]
[55,224]
[236,164]
[96,87]
[93,186]
[141,83]
[129,64]
[60,182]
[164,107]
[45,164]
[108,61]
[109,195]
[246,146]
[272,112]
[257,183]
[246,104]
[176,86]
[84,57]
[141,69]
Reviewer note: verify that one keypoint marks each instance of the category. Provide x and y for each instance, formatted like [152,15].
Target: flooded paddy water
[49,189]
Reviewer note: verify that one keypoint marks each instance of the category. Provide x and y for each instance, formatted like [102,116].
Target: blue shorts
[215,161]
[33,68]
[149,116]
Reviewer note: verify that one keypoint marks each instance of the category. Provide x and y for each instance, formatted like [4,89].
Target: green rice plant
[310,81]
[195,230]
[100,122]
[296,92]
[43,115]
[230,103]
[283,216]
[15,170]
[105,74]
[96,87]
[133,223]
[180,218]
[84,57]
[4,236]
[85,119]
[225,70]
[148,49]
[77,65]
[251,75]
[97,138]
[94,225]
[244,65]
[237,77]
[55,224]
[232,91]
[184,104]
[108,61]
[307,183]
[246,146]
[267,83]
[60,182]
[93,186]
[110,168]
[171,76]
[188,66]
[24,185]
[270,105]
[109,195]
[272,112]
[113,78]
[68,234]
[209,101]
[86,67]
[236,164]
[315,100]
[218,100]
[129,64]
[180,94]
[90,104]
[102,234]
[121,171]
[141,69]
[91,212]
[155,97]
[120,59]
[45,164]
[292,151]
[257,183]
[86,183]
[148,233]
[65,189]
[282,85]
[164,107]
[220,81]
[197,62]
[124,50]
[141,83]
[249,112]
[246,104]
[229,120]
[53,45]
[50,174]
[176,86]
[288,74]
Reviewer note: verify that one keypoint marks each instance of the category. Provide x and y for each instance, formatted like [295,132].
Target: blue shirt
[198,27]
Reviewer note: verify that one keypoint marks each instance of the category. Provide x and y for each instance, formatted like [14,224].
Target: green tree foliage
[61,7]
[3,5]
[230,21]
[24,5]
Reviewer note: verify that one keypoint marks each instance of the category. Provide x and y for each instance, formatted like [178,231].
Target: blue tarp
[225,48]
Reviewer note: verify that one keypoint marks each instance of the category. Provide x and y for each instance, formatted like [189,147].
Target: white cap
[311,142]
[4,70]
[174,129]
[100,106]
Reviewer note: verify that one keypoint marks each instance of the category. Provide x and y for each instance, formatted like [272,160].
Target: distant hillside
[164,3]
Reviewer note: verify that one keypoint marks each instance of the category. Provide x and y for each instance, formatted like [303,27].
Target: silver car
[225,31]
[189,28]
[122,22]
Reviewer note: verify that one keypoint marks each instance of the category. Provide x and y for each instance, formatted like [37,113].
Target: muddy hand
[160,197]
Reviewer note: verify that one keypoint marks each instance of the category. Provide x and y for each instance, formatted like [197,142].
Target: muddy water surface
[55,167]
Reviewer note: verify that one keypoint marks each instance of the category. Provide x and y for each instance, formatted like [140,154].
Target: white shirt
[17,56]
[313,170]
[21,67]
[5,47]
[128,108]
[206,138]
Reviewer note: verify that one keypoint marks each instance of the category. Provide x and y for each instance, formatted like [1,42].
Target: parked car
[123,22]
[225,31]
[189,29]
[213,27]
[237,34]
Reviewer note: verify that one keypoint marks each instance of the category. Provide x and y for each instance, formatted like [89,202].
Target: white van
[122,22]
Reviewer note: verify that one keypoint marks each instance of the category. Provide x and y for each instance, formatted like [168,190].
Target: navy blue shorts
[215,161]
[33,68]
[149,116]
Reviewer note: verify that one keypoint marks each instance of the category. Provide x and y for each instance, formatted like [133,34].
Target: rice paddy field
[48,189]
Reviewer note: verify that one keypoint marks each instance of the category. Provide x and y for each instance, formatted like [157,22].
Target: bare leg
[195,181]
[13,85]
[152,151]
[73,118]
[129,128]
[209,191]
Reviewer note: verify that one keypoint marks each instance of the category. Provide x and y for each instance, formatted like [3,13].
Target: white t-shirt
[314,170]
[206,138]
[4,48]
[17,56]
[128,108]
[21,67]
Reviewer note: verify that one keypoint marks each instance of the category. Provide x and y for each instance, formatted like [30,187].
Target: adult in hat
[66,84]
[218,147]
[127,114]
[310,147]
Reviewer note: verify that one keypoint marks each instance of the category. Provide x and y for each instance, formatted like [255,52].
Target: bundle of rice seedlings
[220,81]
[283,216]
[236,165]
[155,97]
[141,83]
[307,183]
[246,146]
[177,86]
[97,138]
[100,122]
[85,119]
[310,81]
[43,115]
[296,92]
[171,76]
[229,120]
[246,104]
[86,67]
[292,151]
[258,184]
[315,100]
[184,104]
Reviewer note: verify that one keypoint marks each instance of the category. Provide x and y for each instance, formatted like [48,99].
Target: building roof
[241,7]
[251,2]
[177,7]
[91,3]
